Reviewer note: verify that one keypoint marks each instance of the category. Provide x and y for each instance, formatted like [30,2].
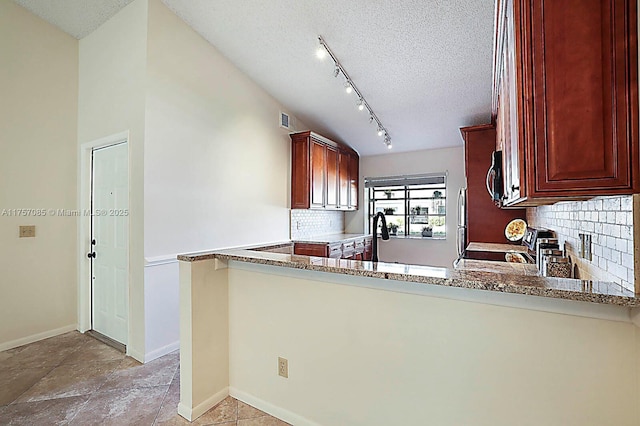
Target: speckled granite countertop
[495,247]
[330,239]
[497,267]
[559,288]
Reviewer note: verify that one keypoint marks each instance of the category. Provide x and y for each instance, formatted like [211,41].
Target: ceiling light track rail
[350,86]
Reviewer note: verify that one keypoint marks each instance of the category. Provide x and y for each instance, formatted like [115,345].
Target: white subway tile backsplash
[609,220]
[311,223]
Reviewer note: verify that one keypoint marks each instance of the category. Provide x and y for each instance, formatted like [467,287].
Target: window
[414,206]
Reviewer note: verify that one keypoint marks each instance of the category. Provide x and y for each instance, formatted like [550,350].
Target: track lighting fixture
[349,87]
[321,52]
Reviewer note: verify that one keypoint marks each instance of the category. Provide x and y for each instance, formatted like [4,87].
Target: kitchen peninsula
[337,321]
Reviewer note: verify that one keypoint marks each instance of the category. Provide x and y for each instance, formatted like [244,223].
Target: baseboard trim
[138,356]
[267,407]
[38,336]
[155,354]
[193,413]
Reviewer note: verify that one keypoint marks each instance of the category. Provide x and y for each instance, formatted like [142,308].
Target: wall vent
[284,120]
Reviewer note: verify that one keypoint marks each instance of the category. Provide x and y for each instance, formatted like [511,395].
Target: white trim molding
[36,337]
[160,260]
[274,410]
[204,406]
[84,226]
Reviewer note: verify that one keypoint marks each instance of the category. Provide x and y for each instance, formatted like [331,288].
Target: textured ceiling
[75,17]
[424,66]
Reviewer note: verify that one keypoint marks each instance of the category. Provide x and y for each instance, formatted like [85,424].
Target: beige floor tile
[168,414]
[50,412]
[262,421]
[45,353]
[225,411]
[118,407]
[93,350]
[131,374]
[14,383]
[70,380]
[246,411]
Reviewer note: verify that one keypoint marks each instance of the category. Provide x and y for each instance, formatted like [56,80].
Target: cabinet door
[354,177]
[318,181]
[309,249]
[300,173]
[584,84]
[512,153]
[343,180]
[332,177]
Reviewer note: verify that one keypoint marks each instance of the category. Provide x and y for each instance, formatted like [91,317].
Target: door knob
[514,188]
[91,255]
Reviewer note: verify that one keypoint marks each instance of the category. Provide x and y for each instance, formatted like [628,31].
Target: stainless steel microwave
[495,183]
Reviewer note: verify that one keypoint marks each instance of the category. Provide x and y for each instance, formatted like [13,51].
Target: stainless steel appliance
[533,234]
[461,231]
[495,185]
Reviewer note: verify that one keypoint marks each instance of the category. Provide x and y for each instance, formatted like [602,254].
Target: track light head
[336,71]
[380,131]
[321,52]
[360,104]
[347,87]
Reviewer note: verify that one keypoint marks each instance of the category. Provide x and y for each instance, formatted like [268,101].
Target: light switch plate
[28,231]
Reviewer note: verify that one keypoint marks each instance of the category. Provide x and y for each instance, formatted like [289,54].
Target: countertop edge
[487,281]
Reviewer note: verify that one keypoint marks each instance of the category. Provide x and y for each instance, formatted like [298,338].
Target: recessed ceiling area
[424,66]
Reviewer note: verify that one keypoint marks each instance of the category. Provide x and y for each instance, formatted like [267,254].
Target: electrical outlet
[283,367]
[28,231]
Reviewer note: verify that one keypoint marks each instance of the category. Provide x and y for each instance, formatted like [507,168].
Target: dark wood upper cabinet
[318,174]
[343,178]
[332,177]
[354,179]
[324,174]
[566,99]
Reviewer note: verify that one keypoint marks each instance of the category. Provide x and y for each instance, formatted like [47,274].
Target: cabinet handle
[515,188]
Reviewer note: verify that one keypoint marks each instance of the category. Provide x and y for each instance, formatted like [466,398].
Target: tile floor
[77,380]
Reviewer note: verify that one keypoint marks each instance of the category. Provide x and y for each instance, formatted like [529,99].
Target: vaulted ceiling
[424,66]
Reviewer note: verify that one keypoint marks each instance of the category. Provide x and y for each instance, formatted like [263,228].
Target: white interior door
[110,241]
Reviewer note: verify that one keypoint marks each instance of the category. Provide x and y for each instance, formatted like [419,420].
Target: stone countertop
[512,268]
[496,247]
[330,238]
[559,288]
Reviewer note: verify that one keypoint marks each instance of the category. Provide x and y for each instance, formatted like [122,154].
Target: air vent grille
[284,120]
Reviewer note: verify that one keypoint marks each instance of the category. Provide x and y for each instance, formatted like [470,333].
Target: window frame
[405,184]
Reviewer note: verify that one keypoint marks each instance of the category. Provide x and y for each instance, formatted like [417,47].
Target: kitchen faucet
[385,234]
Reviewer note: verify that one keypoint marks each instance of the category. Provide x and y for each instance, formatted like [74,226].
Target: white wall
[369,356]
[111,100]
[415,251]
[38,119]
[216,163]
